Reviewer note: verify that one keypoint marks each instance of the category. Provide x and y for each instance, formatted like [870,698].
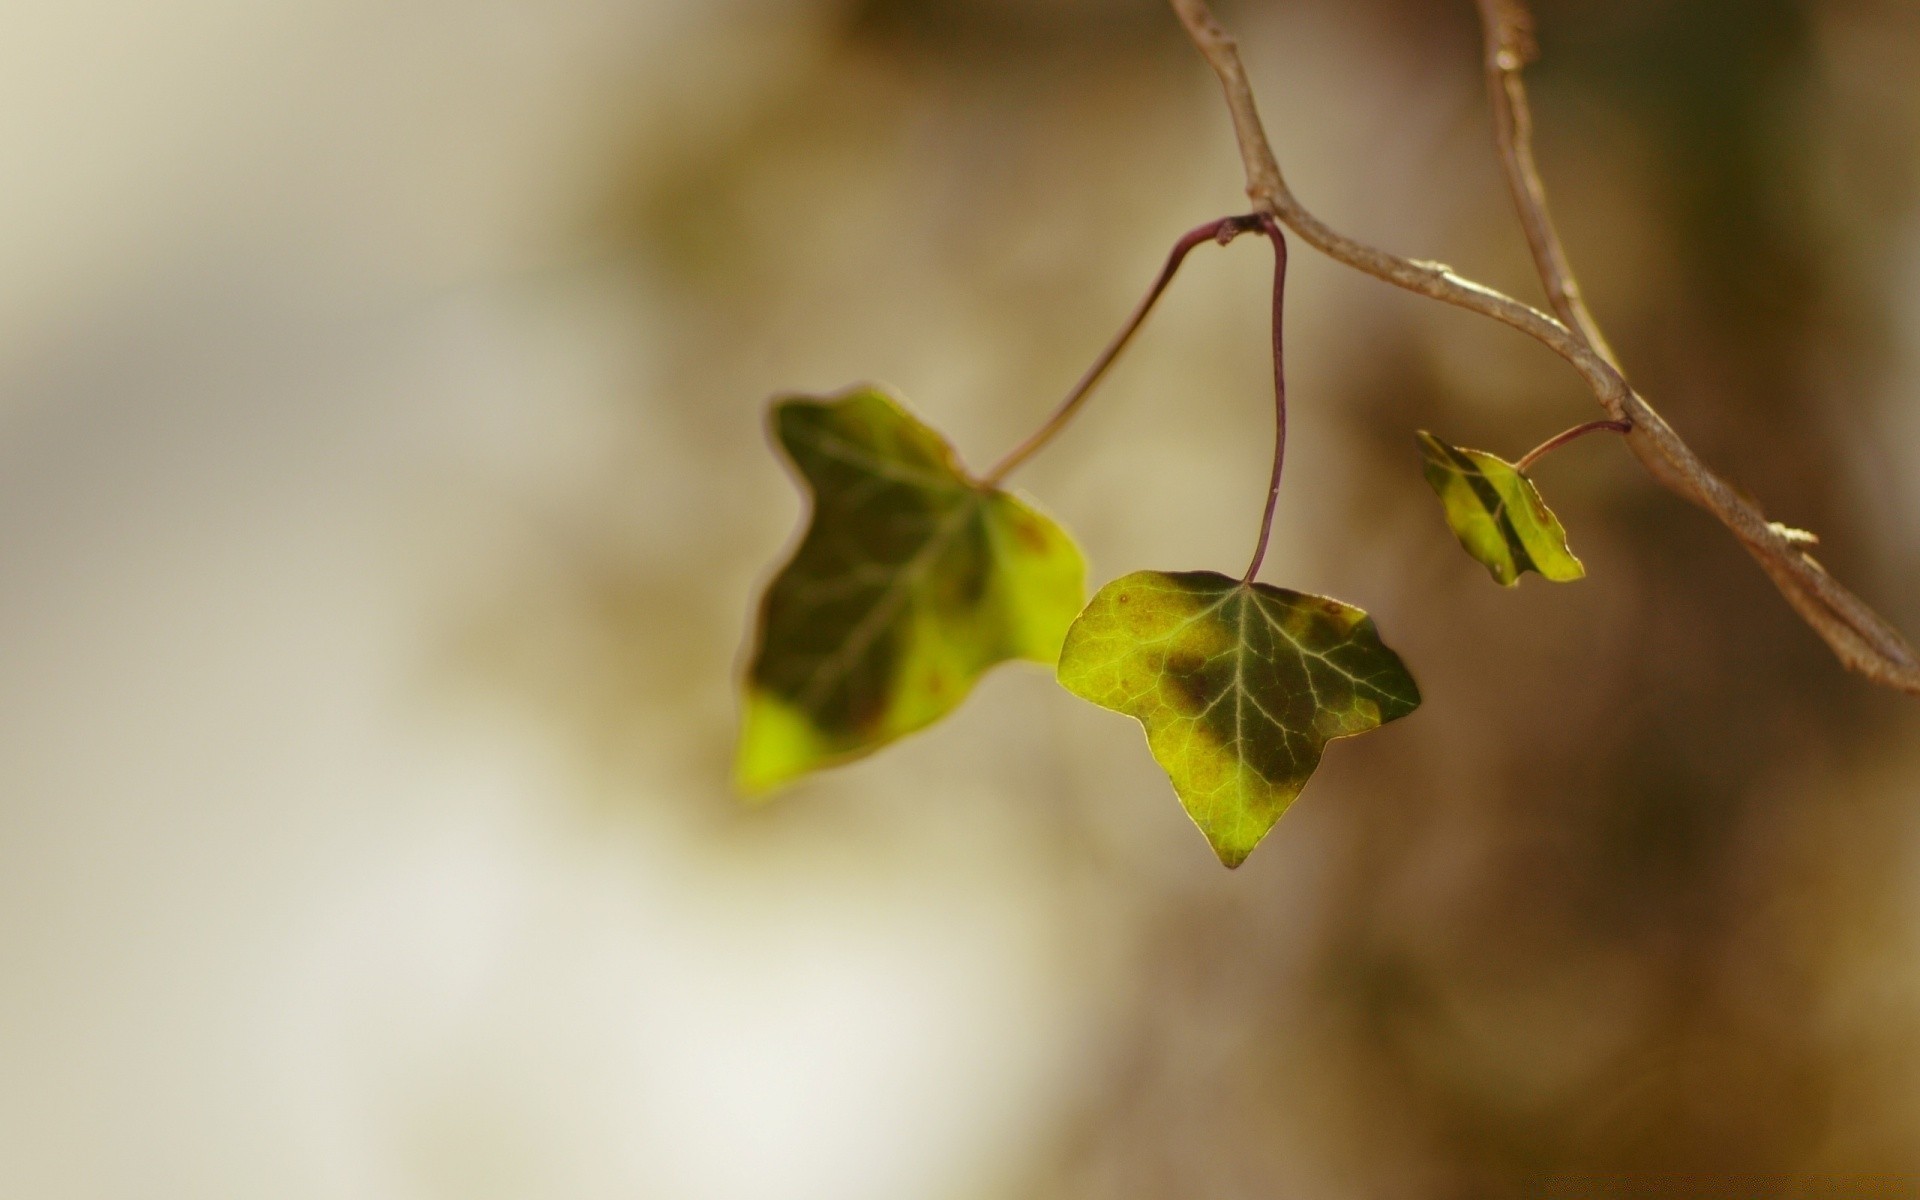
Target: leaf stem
[1222,231]
[1271,229]
[1562,438]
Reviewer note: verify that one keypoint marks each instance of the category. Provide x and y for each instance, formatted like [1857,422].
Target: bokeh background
[383,492]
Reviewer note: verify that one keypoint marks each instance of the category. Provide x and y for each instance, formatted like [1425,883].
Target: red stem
[1271,229]
[1222,231]
[1560,439]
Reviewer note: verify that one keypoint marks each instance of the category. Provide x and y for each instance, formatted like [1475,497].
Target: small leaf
[1240,687]
[912,580]
[1497,514]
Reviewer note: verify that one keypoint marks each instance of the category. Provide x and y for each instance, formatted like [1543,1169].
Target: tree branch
[1509,48]
[1858,636]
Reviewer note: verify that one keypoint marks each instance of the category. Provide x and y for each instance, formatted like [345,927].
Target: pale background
[382,496]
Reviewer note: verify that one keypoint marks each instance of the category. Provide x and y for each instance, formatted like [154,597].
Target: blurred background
[383,493]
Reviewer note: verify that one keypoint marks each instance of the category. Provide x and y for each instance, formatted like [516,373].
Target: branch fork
[1859,637]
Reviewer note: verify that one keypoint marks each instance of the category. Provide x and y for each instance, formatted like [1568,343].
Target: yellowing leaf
[1239,687]
[1497,514]
[912,579]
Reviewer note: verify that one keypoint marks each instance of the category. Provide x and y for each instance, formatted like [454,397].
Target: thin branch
[1221,231]
[1271,228]
[1859,637]
[1563,437]
[1509,48]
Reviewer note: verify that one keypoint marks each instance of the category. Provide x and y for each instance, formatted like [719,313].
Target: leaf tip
[1231,857]
[778,744]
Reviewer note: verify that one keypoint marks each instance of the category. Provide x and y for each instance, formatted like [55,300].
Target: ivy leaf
[912,579]
[1497,514]
[1239,687]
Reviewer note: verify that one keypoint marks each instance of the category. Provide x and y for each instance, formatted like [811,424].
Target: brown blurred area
[383,492]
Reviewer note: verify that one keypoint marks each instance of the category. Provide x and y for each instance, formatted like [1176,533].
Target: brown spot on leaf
[1031,536]
[1188,674]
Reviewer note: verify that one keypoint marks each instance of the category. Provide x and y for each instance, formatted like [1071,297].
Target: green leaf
[1497,514]
[1240,687]
[912,579]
